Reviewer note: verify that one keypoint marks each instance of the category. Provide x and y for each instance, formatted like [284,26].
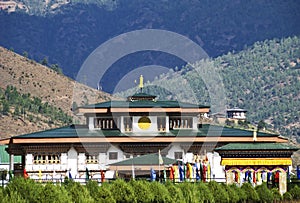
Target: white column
[11,162]
[91,123]
[195,123]
[167,124]
[122,128]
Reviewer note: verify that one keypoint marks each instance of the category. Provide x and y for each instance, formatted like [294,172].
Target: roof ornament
[141,85]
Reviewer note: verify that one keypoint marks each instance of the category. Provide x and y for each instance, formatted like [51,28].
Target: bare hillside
[31,77]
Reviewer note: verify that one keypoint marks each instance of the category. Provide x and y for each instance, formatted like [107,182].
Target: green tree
[44,61]
[25,54]
[261,125]
[5,108]
[57,69]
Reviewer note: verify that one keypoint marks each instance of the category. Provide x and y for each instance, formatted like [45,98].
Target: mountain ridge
[69,36]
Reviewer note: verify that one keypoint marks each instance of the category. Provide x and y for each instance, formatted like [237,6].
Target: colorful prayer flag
[25,174]
[87,174]
[70,175]
[152,174]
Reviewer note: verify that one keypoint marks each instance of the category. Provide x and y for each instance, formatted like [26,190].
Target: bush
[219,193]
[175,192]
[295,192]
[100,194]
[160,192]
[251,194]
[13,197]
[26,189]
[276,195]
[55,194]
[265,195]
[190,192]
[122,192]
[240,192]
[287,196]
[142,191]
[205,193]
[232,193]
[78,192]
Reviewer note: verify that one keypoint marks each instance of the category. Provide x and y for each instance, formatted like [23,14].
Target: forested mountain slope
[264,79]
[69,33]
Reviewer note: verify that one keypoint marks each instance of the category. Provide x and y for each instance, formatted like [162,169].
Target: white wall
[72,161]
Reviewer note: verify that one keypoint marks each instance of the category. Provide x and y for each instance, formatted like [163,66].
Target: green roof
[142,94]
[143,104]
[4,156]
[148,159]
[205,131]
[255,147]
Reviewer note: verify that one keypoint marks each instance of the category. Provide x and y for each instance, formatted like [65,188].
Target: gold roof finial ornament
[141,85]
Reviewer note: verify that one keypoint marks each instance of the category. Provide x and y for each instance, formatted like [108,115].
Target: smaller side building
[257,163]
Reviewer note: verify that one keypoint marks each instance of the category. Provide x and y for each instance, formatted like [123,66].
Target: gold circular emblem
[144,123]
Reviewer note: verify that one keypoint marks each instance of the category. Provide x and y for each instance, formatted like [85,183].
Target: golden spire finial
[141,85]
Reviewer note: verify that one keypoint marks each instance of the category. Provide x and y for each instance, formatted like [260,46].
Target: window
[105,123]
[91,159]
[46,159]
[127,121]
[161,124]
[178,155]
[181,122]
[113,155]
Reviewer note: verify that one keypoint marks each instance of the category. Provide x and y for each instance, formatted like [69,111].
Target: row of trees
[26,190]
[24,103]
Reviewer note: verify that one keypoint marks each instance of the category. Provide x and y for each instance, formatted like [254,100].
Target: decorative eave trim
[256,161]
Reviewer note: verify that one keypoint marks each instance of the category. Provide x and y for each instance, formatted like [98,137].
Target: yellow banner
[256,161]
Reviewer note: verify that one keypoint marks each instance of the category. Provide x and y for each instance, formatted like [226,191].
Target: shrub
[276,195]
[232,193]
[240,192]
[142,191]
[160,192]
[265,195]
[100,194]
[13,197]
[27,189]
[219,193]
[122,192]
[287,196]
[250,192]
[295,192]
[205,193]
[190,192]
[55,194]
[78,192]
[175,192]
